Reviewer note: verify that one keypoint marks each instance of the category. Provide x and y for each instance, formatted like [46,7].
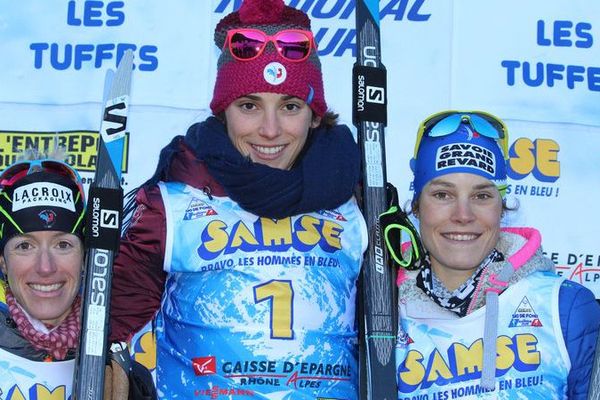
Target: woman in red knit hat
[246,243]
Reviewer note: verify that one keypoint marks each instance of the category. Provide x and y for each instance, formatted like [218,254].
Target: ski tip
[121,83]
[108,80]
[373,7]
[126,62]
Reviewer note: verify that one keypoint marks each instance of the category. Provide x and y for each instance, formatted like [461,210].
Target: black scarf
[323,177]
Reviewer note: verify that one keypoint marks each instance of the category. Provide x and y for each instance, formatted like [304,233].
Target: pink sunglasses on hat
[291,44]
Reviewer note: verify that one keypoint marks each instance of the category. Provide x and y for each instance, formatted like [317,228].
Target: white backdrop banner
[536,64]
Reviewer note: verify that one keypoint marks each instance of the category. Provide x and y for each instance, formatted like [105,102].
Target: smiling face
[270,128]
[44,272]
[459,220]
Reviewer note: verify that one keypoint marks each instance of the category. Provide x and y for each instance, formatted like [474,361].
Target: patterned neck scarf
[59,340]
[457,301]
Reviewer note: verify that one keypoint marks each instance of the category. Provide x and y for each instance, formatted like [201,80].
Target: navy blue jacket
[576,306]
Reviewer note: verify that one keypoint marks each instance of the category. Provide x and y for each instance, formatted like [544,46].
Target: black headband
[41,201]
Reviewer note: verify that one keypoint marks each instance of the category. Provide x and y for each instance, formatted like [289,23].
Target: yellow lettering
[415,372]
[14,393]
[241,234]
[547,157]
[217,237]
[276,232]
[38,392]
[524,161]
[527,349]
[468,358]
[41,392]
[147,351]
[438,368]
[331,233]
[505,354]
[281,295]
[310,236]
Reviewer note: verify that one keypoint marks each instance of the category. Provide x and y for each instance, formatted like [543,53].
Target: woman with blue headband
[485,315]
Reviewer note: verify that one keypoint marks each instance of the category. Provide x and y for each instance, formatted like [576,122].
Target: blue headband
[461,151]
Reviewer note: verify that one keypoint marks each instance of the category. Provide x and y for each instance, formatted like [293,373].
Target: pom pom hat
[269,72]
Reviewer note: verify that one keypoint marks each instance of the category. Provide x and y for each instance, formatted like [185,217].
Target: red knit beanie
[269,72]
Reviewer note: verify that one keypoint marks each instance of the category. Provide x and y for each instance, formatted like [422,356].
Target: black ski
[103,228]
[377,289]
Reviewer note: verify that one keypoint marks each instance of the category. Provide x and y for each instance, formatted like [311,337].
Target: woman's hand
[116,382]
[116,376]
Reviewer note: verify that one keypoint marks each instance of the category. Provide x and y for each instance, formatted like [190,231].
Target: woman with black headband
[485,315]
[42,215]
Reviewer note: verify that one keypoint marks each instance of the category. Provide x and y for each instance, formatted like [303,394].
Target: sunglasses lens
[485,127]
[14,173]
[445,126]
[60,169]
[447,122]
[293,45]
[246,45]
[22,169]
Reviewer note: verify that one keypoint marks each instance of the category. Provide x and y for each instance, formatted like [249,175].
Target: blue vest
[439,355]
[256,307]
